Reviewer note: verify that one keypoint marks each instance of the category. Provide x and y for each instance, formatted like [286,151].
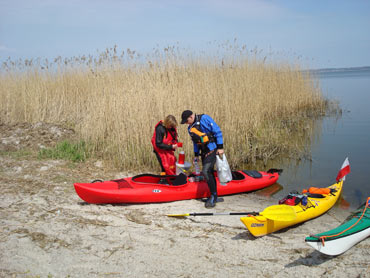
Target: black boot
[211,201]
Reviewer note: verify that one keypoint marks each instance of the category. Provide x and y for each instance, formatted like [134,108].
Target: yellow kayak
[260,225]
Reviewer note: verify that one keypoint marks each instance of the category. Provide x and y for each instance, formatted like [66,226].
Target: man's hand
[220,151]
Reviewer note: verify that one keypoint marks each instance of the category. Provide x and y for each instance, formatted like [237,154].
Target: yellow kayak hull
[260,225]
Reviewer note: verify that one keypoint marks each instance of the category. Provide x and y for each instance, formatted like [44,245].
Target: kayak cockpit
[180,179]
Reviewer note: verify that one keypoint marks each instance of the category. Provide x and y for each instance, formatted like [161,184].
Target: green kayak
[338,240]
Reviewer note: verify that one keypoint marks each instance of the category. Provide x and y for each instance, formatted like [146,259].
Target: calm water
[347,136]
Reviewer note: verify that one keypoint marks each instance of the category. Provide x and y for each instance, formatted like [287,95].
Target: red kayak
[148,188]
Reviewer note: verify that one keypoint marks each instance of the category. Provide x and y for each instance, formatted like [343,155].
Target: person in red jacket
[164,143]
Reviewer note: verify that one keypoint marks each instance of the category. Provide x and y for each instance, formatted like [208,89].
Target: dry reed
[113,102]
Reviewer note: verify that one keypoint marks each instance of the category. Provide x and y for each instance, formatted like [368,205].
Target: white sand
[47,231]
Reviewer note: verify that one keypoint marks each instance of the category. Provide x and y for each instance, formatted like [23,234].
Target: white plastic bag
[223,170]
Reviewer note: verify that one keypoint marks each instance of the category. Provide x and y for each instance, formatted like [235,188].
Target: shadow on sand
[313,259]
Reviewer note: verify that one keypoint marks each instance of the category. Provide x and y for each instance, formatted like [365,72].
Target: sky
[318,34]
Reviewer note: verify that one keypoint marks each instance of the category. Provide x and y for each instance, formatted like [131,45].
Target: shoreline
[48,231]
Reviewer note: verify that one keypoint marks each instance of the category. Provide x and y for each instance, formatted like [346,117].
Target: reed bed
[113,101]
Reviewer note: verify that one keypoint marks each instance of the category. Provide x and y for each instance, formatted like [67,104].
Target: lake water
[347,136]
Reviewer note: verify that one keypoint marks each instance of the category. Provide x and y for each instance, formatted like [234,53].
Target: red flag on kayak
[346,169]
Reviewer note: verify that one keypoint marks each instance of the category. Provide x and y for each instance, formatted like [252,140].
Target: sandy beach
[48,231]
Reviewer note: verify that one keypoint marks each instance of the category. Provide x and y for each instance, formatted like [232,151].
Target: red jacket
[167,154]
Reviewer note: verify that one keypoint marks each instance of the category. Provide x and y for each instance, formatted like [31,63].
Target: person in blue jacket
[208,142]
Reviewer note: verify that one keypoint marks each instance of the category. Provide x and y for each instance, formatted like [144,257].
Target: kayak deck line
[326,237]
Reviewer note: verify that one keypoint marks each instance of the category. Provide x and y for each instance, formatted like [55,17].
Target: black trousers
[159,160]
[208,163]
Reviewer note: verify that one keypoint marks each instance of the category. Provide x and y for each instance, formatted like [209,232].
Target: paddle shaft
[221,213]
[275,212]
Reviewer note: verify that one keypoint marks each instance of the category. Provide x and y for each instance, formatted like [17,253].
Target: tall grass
[114,100]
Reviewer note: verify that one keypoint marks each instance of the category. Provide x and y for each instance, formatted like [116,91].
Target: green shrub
[75,152]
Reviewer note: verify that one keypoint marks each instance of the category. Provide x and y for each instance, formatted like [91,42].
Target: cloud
[4,48]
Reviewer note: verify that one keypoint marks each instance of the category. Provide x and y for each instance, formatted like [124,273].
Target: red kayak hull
[146,189]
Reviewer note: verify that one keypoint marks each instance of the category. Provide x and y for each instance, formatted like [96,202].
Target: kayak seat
[253,173]
[181,179]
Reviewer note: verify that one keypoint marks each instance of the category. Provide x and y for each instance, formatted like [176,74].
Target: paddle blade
[279,213]
[178,215]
